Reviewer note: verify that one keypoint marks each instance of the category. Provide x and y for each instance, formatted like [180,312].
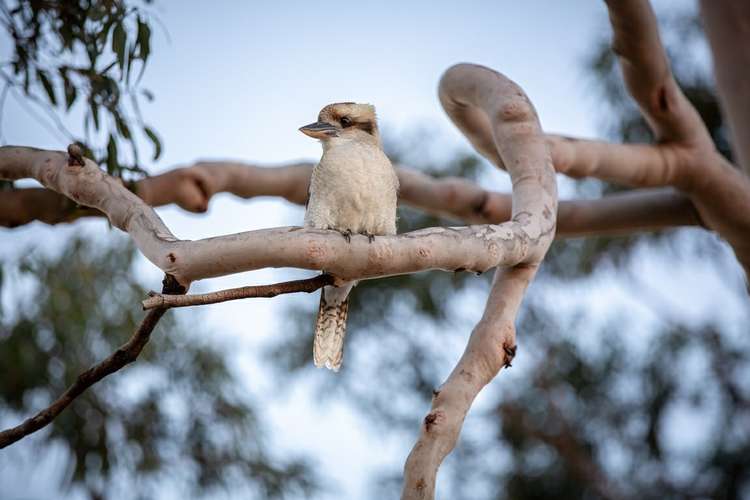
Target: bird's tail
[330,326]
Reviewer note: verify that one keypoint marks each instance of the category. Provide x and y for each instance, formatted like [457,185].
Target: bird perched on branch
[353,190]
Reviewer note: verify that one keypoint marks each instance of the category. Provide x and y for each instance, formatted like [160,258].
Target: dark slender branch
[158,300]
[124,355]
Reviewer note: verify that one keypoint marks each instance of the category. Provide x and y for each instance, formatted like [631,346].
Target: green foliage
[90,54]
[178,415]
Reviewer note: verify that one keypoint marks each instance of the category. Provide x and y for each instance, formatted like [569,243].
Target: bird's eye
[346,122]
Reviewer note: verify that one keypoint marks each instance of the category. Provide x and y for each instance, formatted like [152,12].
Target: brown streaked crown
[350,114]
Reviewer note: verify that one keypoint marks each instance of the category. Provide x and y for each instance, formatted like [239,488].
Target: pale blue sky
[236,80]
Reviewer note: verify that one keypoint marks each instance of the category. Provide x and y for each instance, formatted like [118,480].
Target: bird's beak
[320,130]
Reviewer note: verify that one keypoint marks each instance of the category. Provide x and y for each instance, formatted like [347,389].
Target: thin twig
[159,300]
[124,355]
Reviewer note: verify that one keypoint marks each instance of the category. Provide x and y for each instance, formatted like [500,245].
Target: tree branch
[727,25]
[521,242]
[501,123]
[160,300]
[684,158]
[124,355]
[469,90]
[720,193]
[620,213]
[648,77]
[475,248]
[192,188]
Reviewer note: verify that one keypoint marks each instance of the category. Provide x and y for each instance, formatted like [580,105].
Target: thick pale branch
[469,90]
[627,212]
[192,187]
[472,248]
[621,213]
[492,346]
[648,77]
[720,193]
[516,133]
[634,165]
[727,24]
[475,248]
[157,300]
[451,197]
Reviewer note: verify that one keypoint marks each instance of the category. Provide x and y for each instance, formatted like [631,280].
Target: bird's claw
[347,235]
[370,237]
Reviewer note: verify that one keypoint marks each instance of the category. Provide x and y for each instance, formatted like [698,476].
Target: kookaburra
[352,190]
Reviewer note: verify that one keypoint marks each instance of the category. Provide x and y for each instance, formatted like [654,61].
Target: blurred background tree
[178,420]
[597,405]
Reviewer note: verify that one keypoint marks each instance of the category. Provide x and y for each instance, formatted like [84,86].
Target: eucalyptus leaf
[154,140]
[47,85]
[119,42]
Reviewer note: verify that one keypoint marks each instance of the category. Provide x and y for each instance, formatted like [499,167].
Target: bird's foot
[347,234]
[370,237]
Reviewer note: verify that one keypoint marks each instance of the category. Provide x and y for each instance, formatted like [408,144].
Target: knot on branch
[75,155]
[432,419]
[480,206]
[510,353]
[171,286]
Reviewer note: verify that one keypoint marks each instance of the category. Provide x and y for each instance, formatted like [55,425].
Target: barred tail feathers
[330,327]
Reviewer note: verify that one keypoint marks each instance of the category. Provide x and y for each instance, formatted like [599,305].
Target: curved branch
[474,91]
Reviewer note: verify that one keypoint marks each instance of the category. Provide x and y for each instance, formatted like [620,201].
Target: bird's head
[345,120]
